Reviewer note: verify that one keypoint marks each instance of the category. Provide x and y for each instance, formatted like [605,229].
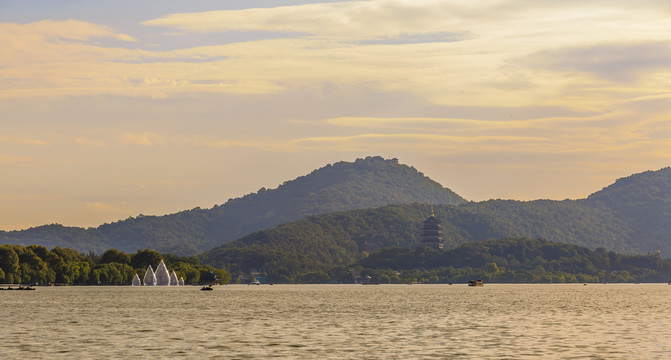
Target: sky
[111,109]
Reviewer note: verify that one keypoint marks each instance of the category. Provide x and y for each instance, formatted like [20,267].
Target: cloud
[353,20]
[502,125]
[399,39]
[144,139]
[50,41]
[61,31]
[447,53]
[22,140]
[12,160]
[613,62]
[90,142]
[418,143]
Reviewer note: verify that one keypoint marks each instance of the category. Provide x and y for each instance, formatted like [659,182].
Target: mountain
[364,183]
[341,238]
[642,202]
[633,215]
[336,213]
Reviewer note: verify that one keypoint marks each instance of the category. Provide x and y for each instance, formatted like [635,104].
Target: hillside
[633,215]
[364,183]
[341,238]
[642,202]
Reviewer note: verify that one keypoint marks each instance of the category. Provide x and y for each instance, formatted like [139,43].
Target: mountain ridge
[629,215]
[365,183]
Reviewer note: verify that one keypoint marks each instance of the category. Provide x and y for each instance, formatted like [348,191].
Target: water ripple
[341,322]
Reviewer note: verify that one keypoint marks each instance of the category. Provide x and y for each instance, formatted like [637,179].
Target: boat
[18,288]
[476,283]
[207,287]
[256,282]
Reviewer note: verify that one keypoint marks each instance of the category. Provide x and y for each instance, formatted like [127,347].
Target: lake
[597,321]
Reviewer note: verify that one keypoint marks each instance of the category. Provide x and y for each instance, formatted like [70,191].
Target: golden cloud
[145,139]
[21,140]
[489,67]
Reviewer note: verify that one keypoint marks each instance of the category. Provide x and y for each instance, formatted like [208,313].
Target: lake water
[598,321]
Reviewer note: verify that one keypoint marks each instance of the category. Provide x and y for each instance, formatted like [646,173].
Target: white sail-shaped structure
[162,275]
[181,281]
[149,277]
[136,281]
[173,279]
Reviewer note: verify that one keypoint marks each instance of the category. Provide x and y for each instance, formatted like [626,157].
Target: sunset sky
[110,109]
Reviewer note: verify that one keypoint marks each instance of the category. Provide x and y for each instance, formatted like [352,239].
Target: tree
[314,277]
[144,258]
[9,263]
[114,256]
[190,274]
[492,268]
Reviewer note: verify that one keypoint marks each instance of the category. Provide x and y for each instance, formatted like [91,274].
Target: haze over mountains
[340,210]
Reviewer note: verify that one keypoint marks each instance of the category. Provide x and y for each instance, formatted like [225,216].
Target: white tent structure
[162,275]
[173,279]
[181,281]
[149,277]
[136,281]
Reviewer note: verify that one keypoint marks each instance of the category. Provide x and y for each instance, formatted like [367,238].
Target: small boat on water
[255,282]
[476,283]
[18,288]
[207,288]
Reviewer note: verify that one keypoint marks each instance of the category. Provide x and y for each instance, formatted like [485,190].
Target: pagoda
[431,233]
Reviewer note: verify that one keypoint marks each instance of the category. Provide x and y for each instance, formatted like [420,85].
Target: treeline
[518,260]
[511,260]
[35,264]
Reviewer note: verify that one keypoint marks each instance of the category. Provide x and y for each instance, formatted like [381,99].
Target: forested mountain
[389,203]
[364,183]
[631,216]
[642,202]
[341,238]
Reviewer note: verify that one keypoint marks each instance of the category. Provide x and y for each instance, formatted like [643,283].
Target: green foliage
[340,238]
[115,256]
[35,264]
[9,260]
[519,260]
[143,258]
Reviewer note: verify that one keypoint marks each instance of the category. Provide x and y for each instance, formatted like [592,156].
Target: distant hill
[341,238]
[337,212]
[633,215]
[642,202]
[364,183]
